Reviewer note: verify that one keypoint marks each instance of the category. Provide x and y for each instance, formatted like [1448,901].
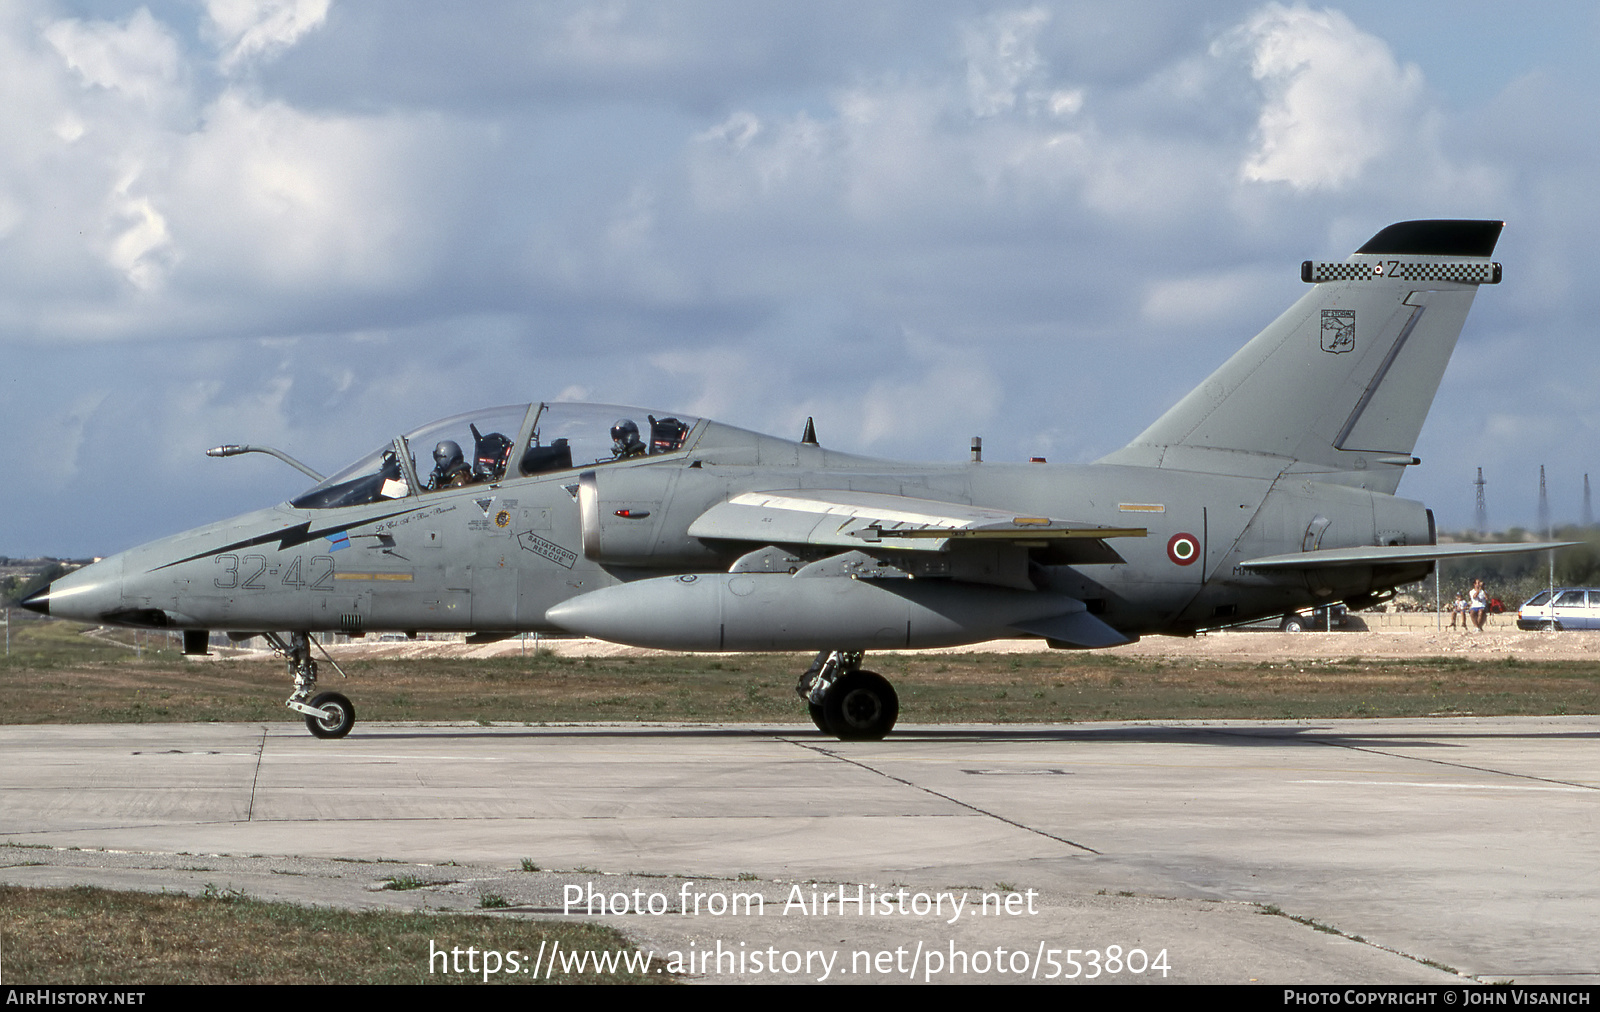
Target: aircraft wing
[875,521]
[1379,555]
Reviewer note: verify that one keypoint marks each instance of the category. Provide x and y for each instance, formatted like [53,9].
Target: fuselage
[497,556]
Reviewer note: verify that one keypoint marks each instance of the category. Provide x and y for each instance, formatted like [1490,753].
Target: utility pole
[1483,511]
[1544,505]
[1588,510]
[1549,535]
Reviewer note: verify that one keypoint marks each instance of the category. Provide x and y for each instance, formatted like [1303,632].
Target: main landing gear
[845,701]
[328,714]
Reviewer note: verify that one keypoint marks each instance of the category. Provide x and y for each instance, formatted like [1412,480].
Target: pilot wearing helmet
[625,441]
[450,470]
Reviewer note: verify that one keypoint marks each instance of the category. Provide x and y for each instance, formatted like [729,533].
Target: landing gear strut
[328,714]
[845,701]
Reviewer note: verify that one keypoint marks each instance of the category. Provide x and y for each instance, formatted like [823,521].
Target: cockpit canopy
[497,444]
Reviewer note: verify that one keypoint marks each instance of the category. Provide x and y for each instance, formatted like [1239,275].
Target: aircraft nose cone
[38,601]
[84,595]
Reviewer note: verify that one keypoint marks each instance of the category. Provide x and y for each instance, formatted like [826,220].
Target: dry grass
[59,675]
[95,936]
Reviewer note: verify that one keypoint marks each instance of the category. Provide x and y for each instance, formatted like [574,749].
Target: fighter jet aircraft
[1268,489]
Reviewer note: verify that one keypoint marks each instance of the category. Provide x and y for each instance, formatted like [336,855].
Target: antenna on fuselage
[809,437]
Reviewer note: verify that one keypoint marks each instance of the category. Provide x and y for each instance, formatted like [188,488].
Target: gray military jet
[1268,489]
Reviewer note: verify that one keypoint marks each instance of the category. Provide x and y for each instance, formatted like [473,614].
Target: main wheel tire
[861,706]
[342,716]
[819,717]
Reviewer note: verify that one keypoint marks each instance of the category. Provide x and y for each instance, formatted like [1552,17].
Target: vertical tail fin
[1340,383]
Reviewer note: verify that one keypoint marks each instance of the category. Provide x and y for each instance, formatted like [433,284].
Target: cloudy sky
[312,224]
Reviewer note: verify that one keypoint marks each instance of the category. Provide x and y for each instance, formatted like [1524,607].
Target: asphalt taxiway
[1373,851]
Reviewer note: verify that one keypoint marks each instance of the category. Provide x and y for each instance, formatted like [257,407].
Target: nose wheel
[328,714]
[847,702]
[336,719]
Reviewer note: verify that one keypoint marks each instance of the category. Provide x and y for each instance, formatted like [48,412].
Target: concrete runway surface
[1372,851]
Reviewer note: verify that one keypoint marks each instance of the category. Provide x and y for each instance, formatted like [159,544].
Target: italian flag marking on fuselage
[1183,549]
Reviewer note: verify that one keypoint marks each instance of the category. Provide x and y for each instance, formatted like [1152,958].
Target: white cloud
[611,34]
[143,249]
[250,29]
[59,442]
[1006,73]
[137,58]
[941,385]
[141,195]
[289,198]
[1003,59]
[1336,98]
[737,131]
[1065,102]
[1205,299]
[69,128]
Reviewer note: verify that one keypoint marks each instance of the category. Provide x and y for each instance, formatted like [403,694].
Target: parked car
[1329,616]
[1574,608]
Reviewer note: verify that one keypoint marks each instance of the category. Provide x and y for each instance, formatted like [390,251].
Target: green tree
[18,588]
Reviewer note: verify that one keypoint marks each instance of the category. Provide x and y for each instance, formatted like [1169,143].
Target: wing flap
[877,520]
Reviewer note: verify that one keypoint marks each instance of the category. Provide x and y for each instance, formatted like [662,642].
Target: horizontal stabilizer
[1380,555]
[876,520]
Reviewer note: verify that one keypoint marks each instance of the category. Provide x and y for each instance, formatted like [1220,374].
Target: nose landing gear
[328,714]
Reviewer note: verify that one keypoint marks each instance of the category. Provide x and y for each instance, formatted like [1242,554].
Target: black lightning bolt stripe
[289,537]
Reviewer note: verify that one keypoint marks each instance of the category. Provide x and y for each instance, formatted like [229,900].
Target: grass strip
[97,936]
[59,675]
